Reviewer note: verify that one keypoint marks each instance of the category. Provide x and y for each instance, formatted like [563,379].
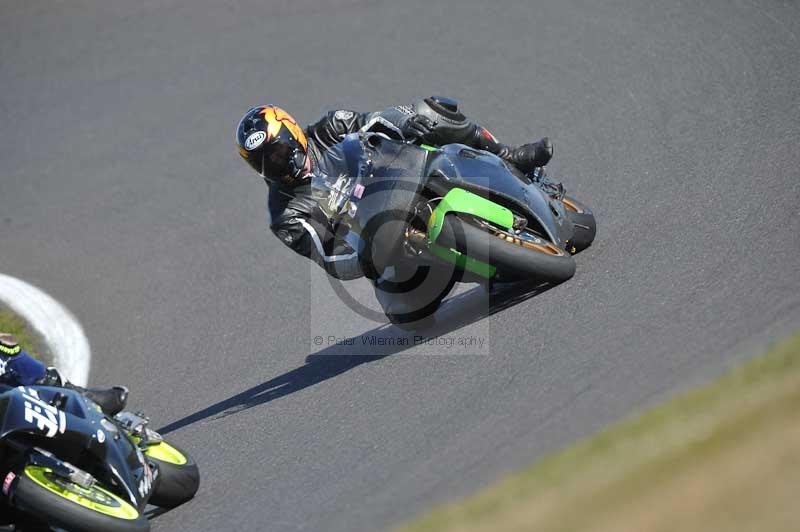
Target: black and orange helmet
[272,142]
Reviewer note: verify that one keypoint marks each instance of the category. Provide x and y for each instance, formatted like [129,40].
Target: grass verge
[725,457]
[27,338]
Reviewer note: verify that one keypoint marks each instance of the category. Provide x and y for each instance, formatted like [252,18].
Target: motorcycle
[454,205]
[65,464]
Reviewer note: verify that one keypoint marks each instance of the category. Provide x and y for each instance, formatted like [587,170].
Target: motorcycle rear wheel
[61,503]
[517,256]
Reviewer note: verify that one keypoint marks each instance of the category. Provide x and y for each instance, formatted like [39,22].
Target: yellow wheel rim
[165,452]
[94,498]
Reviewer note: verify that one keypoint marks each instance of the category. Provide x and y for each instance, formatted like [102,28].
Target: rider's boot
[111,400]
[525,157]
[530,156]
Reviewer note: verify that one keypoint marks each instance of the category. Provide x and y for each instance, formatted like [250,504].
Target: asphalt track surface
[123,196]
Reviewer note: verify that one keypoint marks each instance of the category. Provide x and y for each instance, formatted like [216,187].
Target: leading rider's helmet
[9,345]
[272,142]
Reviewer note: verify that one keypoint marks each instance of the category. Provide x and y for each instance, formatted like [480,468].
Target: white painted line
[59,328]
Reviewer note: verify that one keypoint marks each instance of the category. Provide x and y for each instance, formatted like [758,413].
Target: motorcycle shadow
[456,312]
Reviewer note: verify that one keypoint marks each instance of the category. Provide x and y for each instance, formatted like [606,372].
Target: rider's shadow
[334,360]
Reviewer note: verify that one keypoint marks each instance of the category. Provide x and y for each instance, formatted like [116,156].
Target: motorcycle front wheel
[517,255]
[61,503]
[179,477]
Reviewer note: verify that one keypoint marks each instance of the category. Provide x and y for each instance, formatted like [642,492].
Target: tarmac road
[123,196]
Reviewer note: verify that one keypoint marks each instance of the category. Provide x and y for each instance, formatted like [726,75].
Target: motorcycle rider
[287,157]
[18,368]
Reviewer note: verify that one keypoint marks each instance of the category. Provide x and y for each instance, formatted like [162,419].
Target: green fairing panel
[460,200]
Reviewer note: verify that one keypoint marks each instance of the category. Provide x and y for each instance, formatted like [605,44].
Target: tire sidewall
[177,483]
[514,262]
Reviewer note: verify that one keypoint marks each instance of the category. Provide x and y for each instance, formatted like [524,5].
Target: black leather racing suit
[297,218]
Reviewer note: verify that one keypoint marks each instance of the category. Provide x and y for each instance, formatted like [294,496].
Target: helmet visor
[276,160]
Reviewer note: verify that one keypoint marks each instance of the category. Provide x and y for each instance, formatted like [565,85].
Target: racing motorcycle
[65,464]
[457,205]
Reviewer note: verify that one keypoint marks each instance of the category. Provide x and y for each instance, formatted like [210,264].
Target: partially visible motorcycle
[66,465]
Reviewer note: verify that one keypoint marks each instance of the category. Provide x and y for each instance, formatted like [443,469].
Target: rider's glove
[416,127]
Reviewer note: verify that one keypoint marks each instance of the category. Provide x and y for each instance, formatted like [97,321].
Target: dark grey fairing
[396,176]
[66,424]
[379,163]
[457,165]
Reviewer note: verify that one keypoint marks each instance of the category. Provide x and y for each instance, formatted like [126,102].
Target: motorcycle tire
[585,225]
[516,258]
[179,477]
[64,504]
